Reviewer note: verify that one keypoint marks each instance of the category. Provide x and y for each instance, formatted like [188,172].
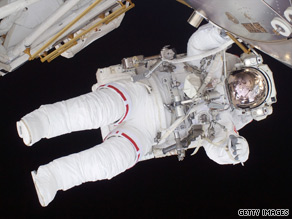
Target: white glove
[238,148]
[23,132]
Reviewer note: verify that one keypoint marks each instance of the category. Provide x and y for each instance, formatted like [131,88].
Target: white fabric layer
[85,112]
[124,96]
[103,161]
[206,38]
[92,110]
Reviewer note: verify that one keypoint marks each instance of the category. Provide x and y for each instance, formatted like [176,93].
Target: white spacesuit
[155,107]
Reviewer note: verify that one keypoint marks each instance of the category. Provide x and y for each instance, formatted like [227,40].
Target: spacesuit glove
[23,132]
[238,148]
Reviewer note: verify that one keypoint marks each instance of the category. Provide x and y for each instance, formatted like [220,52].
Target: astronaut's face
[242,87]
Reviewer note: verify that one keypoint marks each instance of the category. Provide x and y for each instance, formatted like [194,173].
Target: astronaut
[155,107]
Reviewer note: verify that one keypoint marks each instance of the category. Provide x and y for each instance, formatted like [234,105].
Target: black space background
[161,188]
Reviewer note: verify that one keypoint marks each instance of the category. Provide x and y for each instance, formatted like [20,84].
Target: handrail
[239,44]
[64,29]
[183,2]
[72,42]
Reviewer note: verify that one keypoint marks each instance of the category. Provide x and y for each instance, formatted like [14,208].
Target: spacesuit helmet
[247,88]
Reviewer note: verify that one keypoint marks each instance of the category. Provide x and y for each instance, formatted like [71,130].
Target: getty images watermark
[263,212]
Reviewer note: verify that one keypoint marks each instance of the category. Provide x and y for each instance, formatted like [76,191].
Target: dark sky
[160,188]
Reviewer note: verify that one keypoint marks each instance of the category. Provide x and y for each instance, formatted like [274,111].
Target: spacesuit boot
[45,185]
[23,132]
